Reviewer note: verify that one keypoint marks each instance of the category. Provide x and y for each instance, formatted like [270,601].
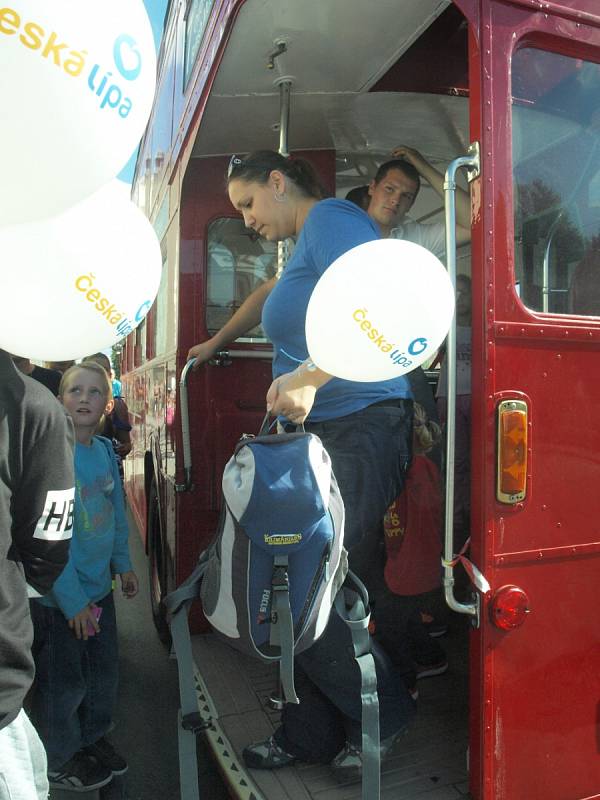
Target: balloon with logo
[77,89]
[380,310]
[77,283]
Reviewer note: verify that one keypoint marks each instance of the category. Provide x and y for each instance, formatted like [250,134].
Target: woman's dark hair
[258,166]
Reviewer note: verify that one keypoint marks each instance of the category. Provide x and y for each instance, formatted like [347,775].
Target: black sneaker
[80,774]
[430,670]
[105,754]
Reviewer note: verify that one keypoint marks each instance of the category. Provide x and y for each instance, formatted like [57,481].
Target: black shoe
[80,774]
[267,755]
[430,670]
[105,754]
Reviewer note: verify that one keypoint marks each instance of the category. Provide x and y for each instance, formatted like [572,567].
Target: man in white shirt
[393,191]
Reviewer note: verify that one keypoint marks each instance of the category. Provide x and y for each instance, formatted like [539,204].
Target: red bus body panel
[534,691]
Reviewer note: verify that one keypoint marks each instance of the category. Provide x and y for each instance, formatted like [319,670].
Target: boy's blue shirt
[99,546]
[332,227]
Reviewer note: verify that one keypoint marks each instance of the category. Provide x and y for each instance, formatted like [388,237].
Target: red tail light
[509,607]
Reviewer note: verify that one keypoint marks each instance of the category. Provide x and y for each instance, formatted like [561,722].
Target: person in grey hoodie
[36,520]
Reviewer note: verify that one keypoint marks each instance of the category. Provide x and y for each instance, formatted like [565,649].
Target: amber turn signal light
[512,451]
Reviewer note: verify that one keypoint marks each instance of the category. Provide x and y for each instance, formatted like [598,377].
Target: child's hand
[129,584]
[79,623]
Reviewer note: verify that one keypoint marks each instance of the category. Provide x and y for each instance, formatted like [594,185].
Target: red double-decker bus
[506,95]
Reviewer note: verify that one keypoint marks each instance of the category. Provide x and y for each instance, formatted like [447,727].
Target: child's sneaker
[430,670]
[80,774]
[105,754]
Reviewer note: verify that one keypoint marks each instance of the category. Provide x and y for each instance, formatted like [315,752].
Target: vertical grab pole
[285,103]
[471,161]
[185,429]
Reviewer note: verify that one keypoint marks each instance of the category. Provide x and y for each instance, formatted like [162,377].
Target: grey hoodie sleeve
[42,501]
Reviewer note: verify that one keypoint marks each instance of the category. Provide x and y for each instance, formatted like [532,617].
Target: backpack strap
[352,604]
[190,722]
[282,627]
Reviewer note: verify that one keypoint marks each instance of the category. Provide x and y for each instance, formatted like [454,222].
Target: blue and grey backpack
[276,567]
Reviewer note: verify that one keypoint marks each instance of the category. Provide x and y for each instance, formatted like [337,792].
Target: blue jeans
[370,451]
[76,681]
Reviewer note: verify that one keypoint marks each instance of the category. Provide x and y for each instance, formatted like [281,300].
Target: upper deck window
[237,263]
[556,172]
[196,17]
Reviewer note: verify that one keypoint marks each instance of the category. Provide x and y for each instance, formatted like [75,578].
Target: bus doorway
[520,722]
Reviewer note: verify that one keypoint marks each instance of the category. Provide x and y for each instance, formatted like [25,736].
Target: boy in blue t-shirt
[75,641]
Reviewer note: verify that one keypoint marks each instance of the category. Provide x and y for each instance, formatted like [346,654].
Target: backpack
[278,559]
[273,573]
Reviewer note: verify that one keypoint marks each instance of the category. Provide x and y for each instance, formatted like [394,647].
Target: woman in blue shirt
[365,427]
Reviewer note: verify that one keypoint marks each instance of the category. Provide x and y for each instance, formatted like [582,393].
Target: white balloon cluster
[79,264]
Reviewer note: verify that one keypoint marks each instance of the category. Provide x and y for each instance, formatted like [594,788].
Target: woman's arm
[292,395]
[245,318]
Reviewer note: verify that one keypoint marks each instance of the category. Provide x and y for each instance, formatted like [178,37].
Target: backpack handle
[266,426]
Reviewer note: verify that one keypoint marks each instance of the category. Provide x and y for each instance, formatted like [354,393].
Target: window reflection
[238,261]
[556,169]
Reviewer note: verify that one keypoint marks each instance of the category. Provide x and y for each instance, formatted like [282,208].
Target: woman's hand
[292,395]
[202,352]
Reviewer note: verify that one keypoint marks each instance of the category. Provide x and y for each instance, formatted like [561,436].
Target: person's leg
[60,684]
[370,452]
[391,619]
[22,762]
[101,676]
[330,664]
[312,731]
[462,470]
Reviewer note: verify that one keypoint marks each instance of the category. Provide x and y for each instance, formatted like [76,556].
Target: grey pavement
[145,730]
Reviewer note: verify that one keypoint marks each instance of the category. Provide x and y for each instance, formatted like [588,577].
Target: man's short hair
[404,166]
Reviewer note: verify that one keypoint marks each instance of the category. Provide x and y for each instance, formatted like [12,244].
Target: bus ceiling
[357,87]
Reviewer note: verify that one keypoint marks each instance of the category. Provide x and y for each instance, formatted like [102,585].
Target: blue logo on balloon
[129,43]
[417,346]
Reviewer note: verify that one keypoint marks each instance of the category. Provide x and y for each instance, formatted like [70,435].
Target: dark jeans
[328,687]
[370,452]
[400,630]
[76,681]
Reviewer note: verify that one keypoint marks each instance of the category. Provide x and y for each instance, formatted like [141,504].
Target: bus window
[238,261]
[556,171]
[160,319]
[196,17]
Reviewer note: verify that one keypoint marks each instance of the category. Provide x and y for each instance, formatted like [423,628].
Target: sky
[156,12]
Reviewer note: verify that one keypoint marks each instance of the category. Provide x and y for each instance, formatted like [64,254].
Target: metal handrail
[220,358]
[472,162]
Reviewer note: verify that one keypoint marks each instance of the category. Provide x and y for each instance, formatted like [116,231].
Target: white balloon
[75,284]
[78,82]
[379,311]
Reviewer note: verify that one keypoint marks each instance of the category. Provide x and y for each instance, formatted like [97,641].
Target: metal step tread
[429,763]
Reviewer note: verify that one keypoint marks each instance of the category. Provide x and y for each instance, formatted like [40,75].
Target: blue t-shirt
[99,545]
[332,227]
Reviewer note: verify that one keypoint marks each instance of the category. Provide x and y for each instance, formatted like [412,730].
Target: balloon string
[292,358]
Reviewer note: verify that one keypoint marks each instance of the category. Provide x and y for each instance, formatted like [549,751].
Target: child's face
[85,398]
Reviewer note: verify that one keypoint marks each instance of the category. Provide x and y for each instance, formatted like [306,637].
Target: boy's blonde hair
[426,432]
[91,366]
